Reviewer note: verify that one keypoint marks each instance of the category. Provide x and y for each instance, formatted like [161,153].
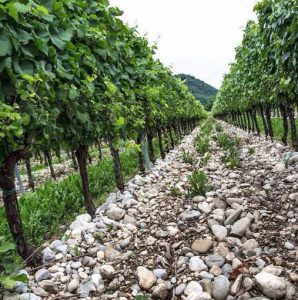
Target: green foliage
[187,157]
[251,151]
[204,160]
[227,142]
[175,191]
[56,203]
[218,128]
[202,144]
[10,264]
[198,183]
[201,90]
[231,159]
[264,73]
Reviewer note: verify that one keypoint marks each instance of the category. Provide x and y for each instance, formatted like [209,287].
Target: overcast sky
[196,37]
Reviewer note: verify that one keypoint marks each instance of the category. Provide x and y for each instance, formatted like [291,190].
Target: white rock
[42,274]
[193,287]
[146,278]
[196,264]
[219,231]
[240,227]
[107,271]
[115,213]
[98,282]
[272,286]
[29,296]
[221,286]
[73,285]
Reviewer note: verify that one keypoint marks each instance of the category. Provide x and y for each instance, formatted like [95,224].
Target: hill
[201,90]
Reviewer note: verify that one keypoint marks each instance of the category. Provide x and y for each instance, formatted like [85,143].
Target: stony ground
[237,242]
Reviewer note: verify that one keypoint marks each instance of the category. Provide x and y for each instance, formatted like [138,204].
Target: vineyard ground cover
[53,205]
[277,127]
[162,198]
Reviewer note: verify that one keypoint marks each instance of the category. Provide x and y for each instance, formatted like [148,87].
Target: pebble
[272,286]
[219,231]
[146,278]
[221,286]
[202,246]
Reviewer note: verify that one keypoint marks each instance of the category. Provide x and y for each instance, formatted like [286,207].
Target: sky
[196,37]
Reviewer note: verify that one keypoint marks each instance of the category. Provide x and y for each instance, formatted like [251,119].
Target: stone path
[237,242]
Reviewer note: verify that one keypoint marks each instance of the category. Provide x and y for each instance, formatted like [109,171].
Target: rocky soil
[237,242]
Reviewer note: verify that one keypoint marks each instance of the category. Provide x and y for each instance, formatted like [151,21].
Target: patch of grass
[198,183]
[251,151]
[207,127]
[175,192]
[202,144]
[187,157]
[218,128]
[232,159]
[226,142]
[56,203]
[204,160]
[277,127]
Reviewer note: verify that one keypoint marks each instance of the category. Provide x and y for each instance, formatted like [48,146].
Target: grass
[58,203]
[277,127]
[198,183]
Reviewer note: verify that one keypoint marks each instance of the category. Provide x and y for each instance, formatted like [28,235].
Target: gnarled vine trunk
[283,112]
[290,111]
[29,172]
[160,144]
[12,212]
[82,154]
[50,164]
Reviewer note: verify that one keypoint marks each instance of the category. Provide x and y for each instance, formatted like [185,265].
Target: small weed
[251,151]
[232,159]
[207,127]
[198,183]
[218,127]
[227,142]
[204,160]
[187,157]
[202,145]
[99,235]
[110,227]
[77,250]
[175,192]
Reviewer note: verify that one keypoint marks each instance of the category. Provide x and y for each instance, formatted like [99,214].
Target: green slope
[201,90]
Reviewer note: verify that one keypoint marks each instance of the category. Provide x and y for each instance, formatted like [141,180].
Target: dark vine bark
[171,136]
[81,154]
[254,116]
[74,161]
[99,149]
[283,112]
[160,144]
[150,145]
[140,154]
[290,111]
[117,167]
[29,173]
[248,122]
[50,164]
[12,212]
[166,140]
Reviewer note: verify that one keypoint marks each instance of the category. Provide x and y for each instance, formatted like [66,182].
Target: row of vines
[263,81]
[73,74]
